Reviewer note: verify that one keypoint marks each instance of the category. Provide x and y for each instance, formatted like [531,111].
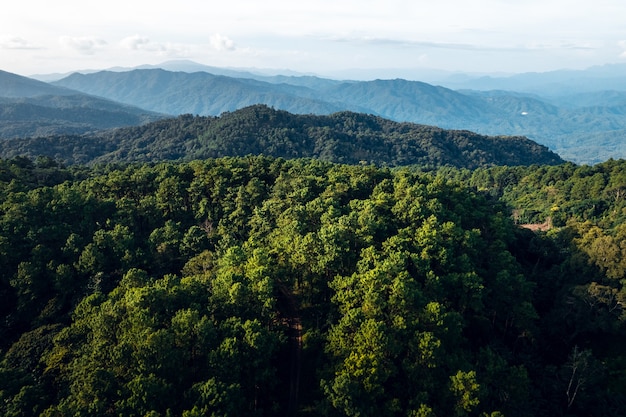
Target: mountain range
[556,83]
[30,107]
[584,125]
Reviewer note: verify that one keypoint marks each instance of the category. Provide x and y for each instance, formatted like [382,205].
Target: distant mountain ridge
[558,83]
[207,94]
[33,108]
[565,125]
[16,86]
[344,137]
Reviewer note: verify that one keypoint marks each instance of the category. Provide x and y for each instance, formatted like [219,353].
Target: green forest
[344,137]
[264,286]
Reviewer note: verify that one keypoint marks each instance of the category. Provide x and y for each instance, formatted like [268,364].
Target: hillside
[32,108]
[549,120]
[345,137]
[195,93]
[416,102]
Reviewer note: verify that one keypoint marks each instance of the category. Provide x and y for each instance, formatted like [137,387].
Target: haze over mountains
[552,83]
[33,108]
[579,114]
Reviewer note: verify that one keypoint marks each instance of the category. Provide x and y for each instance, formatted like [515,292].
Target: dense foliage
[261,286]
[341,137]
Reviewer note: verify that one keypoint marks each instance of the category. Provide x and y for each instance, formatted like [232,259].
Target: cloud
[15,42]
[142,43]
[404,43]
[479,47]
[420,44]
[84,45]
[137,43]
[222,43]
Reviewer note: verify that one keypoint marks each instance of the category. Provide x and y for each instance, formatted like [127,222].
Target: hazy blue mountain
[13,85]
[414,101]
[605,98]
[550,83]
[547,84]
[270,76]
[71,114]
[207,94]
[194,93]
[585,128]
[34,108]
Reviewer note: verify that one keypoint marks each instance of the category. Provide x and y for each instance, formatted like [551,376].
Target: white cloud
[137,42]
[174,50]
[84,45]
[222,43]
[145,44]
[15,42]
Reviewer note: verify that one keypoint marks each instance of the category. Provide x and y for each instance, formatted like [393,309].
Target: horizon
[328,38]
[428,75]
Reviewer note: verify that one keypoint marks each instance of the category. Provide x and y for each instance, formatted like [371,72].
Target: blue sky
[326,37]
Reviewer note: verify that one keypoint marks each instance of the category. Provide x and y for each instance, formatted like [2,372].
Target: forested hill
[344,137]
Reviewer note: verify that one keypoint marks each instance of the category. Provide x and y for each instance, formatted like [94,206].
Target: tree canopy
[343,137]
[269,286]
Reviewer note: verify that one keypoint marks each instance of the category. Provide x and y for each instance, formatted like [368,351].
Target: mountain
[33,108]
[557,122]
[208,94]
[606,98]
[71,114]
[414,101]
[270,76]
[195,93]
[557,83]
[344,137]
[16,86]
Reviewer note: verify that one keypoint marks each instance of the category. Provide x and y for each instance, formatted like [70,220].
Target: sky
[362,38]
